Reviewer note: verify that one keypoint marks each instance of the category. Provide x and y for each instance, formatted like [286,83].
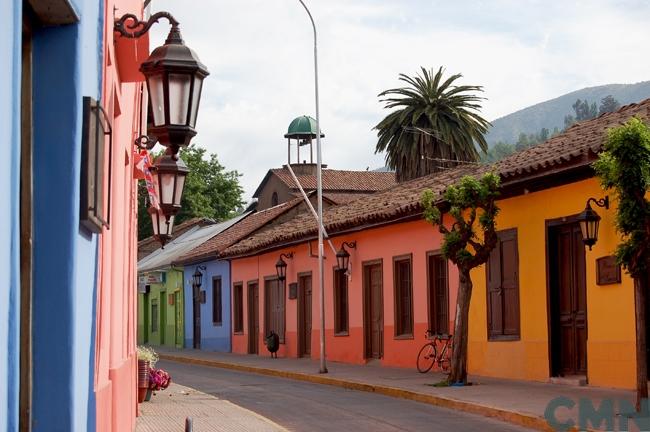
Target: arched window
[274,199]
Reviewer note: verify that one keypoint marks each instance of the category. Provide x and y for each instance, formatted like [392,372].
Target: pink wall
[384,243]
[115,361]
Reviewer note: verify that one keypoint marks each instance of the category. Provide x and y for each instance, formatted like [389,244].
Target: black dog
[273,343]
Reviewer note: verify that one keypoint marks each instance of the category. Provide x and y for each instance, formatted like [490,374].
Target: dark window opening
[238,308]
[438,284]
[402,277]
[216,301]
[340,302]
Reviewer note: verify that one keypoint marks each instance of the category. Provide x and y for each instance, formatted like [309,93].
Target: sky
[260,57]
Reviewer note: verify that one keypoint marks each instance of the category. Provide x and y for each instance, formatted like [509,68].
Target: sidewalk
[517,402]
[167,410]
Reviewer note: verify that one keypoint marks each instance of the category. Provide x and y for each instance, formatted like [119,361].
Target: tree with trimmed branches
[467,242]
[436,125]
[624,169]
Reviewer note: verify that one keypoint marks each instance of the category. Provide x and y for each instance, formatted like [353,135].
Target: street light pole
[319,181]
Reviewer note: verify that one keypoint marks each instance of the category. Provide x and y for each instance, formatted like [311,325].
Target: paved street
[301,406]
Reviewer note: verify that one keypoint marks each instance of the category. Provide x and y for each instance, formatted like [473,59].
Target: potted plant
[147,359]
[158,380]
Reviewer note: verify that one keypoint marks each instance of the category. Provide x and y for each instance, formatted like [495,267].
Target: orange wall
[610,308]
[380,243]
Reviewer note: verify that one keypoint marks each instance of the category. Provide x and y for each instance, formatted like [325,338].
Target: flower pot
[143,379]
[147,398]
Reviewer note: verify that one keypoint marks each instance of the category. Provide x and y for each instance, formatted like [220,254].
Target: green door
[178,309]
[163,316]
[145,319]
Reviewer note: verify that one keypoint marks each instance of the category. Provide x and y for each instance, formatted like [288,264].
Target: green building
[160,286]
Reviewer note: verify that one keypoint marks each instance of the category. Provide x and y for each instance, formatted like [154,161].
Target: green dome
[302,127]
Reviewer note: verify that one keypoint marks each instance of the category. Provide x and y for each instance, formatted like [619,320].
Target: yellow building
[546,306]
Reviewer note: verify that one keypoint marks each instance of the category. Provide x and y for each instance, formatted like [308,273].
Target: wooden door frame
[250,305]
[550,224]
[366,307]
[299,347]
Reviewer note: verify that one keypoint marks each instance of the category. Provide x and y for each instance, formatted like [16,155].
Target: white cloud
[259,53]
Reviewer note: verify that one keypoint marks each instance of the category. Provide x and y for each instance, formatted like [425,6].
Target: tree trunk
[459,353]
[641,353]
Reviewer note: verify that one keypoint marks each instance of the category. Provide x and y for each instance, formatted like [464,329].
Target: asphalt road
[302,406]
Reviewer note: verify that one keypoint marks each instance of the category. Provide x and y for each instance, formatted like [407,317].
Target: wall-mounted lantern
[197,277]
[174,77]
[162,226]
[589,221]
[343,256]
[281,266]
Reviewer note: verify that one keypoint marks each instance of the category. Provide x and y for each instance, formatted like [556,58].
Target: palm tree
[437,125]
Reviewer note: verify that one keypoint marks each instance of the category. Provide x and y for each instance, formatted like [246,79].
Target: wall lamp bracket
[131,27]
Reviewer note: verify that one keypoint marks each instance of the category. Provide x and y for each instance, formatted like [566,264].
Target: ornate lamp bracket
[146,142]
[131,27]
[603,202]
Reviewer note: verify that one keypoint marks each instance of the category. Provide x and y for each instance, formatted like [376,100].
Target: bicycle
[436,351]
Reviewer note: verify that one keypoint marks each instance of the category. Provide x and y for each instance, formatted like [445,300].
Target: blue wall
[10,43]
[67,66]
[213,338]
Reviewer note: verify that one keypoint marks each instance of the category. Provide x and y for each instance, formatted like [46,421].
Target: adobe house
[544,307]
[209,323]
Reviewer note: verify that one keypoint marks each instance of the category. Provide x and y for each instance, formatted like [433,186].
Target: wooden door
[373,310]
[568,301]
[304,315]
[253,318]
[196,313]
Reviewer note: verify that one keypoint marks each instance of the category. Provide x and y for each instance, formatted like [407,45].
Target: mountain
[550,114]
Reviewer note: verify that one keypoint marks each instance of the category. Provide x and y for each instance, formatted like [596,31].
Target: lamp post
[319,187]
[174,78]
[589,221]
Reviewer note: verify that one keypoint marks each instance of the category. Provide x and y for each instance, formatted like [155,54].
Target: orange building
[543,308]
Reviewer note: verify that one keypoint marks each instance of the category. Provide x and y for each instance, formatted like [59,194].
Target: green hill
[550,114]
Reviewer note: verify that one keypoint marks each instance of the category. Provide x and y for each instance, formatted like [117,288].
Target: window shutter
[442,302]
[510,283]
[494,301]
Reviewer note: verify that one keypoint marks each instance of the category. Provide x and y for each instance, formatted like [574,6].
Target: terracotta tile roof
[248,225]
[149,245]
[580,143]
[577,146]
[343,198]
[336,180]
[399,201]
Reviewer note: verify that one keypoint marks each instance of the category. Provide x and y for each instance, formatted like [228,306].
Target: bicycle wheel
[426,357]
[444,362]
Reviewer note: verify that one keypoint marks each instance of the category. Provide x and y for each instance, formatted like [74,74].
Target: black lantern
[169,172]
[589,221]
[197,277]
[174,76]
[281,266]
[162,225]
[343,257]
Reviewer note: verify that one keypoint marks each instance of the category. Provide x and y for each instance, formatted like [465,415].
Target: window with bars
[403,287]
[274,307]
[438,285]
[340,302]
[216,302]
[238,308]
[503,288]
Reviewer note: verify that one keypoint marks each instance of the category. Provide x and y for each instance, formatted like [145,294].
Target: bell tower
[301,133]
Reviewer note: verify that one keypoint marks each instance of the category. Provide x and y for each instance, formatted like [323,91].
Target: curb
[513,417]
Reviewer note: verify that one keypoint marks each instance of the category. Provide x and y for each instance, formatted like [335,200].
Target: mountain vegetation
[553,113]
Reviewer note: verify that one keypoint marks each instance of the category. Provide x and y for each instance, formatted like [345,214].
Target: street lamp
[589,221]
[162,226]
[174,78]
[197,277]
[343,256]
[281,266]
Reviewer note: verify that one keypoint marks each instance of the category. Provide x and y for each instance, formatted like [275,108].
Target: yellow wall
[610,308]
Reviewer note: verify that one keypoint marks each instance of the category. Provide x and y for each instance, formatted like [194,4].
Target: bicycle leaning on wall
[437,351]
